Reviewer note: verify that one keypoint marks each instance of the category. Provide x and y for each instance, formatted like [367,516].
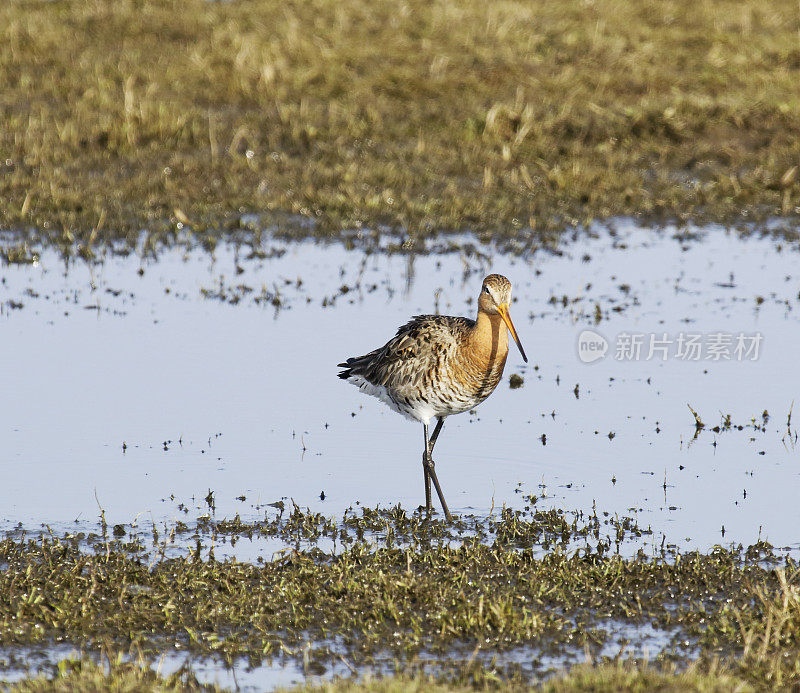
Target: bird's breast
[479,370]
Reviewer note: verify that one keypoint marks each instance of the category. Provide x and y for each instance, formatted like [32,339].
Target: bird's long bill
[503,310]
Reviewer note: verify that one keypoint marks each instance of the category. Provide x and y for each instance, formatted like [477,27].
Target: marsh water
[137,384]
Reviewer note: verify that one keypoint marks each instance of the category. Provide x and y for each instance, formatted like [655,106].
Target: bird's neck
[488,338]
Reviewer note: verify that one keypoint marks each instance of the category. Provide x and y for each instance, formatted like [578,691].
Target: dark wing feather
[376,366]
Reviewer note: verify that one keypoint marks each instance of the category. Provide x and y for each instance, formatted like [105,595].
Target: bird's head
[494,300]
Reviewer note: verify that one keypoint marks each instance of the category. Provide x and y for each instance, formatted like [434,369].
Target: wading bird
[438,365]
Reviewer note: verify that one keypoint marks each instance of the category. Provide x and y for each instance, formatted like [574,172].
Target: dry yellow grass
[422,115]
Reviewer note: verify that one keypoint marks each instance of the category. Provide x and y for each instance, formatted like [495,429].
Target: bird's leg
[426,474]
[432,473]
[430,470]
[436,432]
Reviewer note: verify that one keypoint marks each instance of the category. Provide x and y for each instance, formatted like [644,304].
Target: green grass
[589,679]
[86,677]
[424,116]
[402,593]
[118,676]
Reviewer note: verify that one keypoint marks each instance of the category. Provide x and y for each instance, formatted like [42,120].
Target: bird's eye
[486,289]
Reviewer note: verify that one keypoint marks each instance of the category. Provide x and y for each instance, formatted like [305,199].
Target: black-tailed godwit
[438,365]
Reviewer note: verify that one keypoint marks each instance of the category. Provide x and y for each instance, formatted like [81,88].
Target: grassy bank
[482,602]
[86,677]
[494,116]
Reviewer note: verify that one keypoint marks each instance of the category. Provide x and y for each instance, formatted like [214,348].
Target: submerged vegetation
[504,117]
[385,591]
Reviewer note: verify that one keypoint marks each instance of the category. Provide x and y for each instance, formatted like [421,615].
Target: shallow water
[140,391]
[626,641]
[140,384]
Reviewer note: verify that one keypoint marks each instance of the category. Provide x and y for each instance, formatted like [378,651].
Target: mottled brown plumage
[437,365]
[430,368]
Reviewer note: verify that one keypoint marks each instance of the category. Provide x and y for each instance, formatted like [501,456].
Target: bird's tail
[353,366]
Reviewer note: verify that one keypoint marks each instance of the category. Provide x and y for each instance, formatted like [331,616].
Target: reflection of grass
[451,114]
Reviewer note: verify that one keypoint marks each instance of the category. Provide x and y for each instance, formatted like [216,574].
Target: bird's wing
[412,353]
